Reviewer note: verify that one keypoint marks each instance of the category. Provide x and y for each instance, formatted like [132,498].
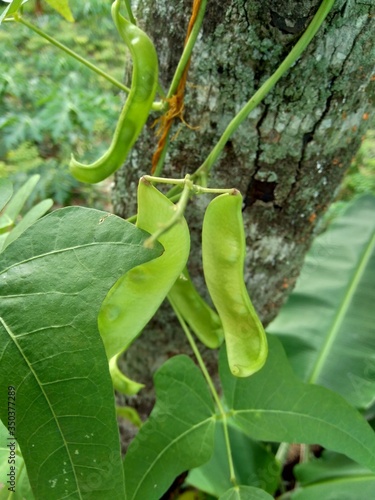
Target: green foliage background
[50,104]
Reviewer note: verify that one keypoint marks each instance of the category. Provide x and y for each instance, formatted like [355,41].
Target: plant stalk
[212,388]
[186,54]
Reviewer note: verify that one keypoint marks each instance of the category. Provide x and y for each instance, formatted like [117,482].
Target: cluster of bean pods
[135,298]
[138,294]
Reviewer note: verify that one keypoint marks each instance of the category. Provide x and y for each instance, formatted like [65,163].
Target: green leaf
[62,7]
[274,405]
[14,206]
[53,280]
[330,465]
[22,488]
[253,465]
[6,191]
[18,200]
[245,493]
[333,476]
[29,218]
[327,325]
[345,488]
[179,434]
[12,8]
[8,218]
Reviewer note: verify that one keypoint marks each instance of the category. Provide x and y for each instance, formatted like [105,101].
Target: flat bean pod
[223,252]
[137,106]
[135,297]
[203,320]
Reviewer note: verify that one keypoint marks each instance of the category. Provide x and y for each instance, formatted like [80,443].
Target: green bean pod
[203,320]
[137,106]
[135,297]
[223,252]
[121,382]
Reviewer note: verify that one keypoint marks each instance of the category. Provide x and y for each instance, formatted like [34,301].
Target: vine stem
[282,452]
[290,59]
[130,12]
[156,106]
[174,101]
[186,54]
[212,388]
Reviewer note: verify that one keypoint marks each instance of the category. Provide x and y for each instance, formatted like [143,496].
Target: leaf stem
[186,181]
[282,452]
[211,386]
[290,59]
[304,453]
[197,354]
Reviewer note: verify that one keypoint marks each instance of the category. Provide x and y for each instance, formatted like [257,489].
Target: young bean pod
[135,297]
[203,320]
[121,382]
[223,252]
[137,106]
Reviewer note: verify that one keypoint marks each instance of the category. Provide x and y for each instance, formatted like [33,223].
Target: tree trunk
[287,158]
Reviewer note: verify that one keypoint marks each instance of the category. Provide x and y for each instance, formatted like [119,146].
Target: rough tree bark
[287,158]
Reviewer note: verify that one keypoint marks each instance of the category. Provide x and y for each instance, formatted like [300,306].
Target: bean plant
[78,286]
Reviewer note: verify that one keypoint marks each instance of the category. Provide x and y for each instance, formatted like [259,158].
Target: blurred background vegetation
[51,106]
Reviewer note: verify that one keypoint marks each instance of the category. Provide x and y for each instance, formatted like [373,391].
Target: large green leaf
[333,476]
[178,436]
[327,325]
[245,493]
[274,405]
[53,280]
[6,191]
[350,488]
[21,490]
[253,464]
